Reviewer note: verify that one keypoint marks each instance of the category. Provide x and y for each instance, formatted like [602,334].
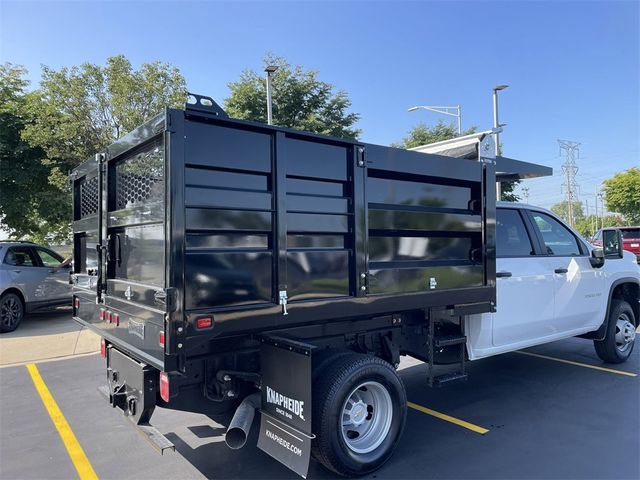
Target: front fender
[600,333]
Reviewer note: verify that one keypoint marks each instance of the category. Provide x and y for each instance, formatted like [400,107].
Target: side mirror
[612,243]
[597,258]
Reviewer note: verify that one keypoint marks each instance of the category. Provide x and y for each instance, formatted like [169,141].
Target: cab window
[558,240]
[512,239]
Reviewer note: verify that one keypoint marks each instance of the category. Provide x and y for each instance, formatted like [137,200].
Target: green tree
[562,210]
[622,194]
[29,206]
[423,134]
[79,111]
[300,100]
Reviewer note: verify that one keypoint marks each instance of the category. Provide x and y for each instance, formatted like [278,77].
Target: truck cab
[549,287]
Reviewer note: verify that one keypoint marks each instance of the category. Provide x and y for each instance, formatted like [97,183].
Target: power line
[570,188]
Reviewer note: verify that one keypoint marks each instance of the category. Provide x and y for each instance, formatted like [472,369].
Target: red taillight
[108,316]
[204,322]
[161,339]
[164,386]
[76,303]
[101,314]
[115,319]
[103,348]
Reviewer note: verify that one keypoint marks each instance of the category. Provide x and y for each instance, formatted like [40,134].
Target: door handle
[561,270]
[503,274]
[17,271]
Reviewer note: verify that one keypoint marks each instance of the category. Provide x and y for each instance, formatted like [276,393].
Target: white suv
[31,277]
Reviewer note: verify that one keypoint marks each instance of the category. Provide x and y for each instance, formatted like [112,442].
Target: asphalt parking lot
[527,416]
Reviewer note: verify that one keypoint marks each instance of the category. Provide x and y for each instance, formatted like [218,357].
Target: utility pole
[601,197]
[571,152]
[596,215]
[525,192]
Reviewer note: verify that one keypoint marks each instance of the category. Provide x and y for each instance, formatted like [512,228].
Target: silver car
[31,277]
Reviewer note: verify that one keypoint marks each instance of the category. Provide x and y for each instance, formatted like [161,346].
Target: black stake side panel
[346,229]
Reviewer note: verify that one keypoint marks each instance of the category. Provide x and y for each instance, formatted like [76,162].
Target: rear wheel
[11,312]
[359,412]
[620,336]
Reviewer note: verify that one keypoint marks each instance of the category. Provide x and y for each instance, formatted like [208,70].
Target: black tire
[610,349]
[338,381]
[11,312]
[323,358]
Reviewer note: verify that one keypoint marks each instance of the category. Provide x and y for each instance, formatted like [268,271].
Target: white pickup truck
[552,284]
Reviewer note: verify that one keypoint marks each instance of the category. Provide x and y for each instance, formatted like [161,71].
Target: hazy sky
[573,67]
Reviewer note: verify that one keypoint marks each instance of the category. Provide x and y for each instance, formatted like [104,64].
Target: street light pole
[496,123]
[443,111]
[496,126]
[270,69]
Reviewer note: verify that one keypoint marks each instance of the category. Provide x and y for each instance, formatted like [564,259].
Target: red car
[630,238]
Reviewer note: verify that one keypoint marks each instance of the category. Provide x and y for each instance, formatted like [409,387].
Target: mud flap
[285,425]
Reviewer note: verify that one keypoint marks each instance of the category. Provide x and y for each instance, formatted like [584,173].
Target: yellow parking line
[79,459]
[447,418]
[578,364]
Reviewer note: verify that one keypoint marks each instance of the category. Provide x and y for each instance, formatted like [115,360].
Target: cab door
[525,285]
[579,288]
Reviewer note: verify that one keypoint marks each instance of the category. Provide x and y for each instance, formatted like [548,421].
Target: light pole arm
[451,111]
[442,110]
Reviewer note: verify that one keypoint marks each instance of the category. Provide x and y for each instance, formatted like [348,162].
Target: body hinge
[360,155]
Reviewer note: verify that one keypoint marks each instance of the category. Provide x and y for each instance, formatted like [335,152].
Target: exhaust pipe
[240,425]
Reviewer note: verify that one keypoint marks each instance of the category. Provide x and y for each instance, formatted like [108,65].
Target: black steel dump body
[196,215]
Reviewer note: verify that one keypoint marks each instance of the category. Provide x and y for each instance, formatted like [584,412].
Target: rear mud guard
[285,423]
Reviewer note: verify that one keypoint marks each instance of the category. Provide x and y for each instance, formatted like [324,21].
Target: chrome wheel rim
[625,333]
[366,417]
[10,311]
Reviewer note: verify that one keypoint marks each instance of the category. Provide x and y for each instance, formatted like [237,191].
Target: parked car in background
[31,277]
[630,238]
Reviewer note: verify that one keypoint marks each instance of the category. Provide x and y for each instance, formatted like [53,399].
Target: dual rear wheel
[359,412]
